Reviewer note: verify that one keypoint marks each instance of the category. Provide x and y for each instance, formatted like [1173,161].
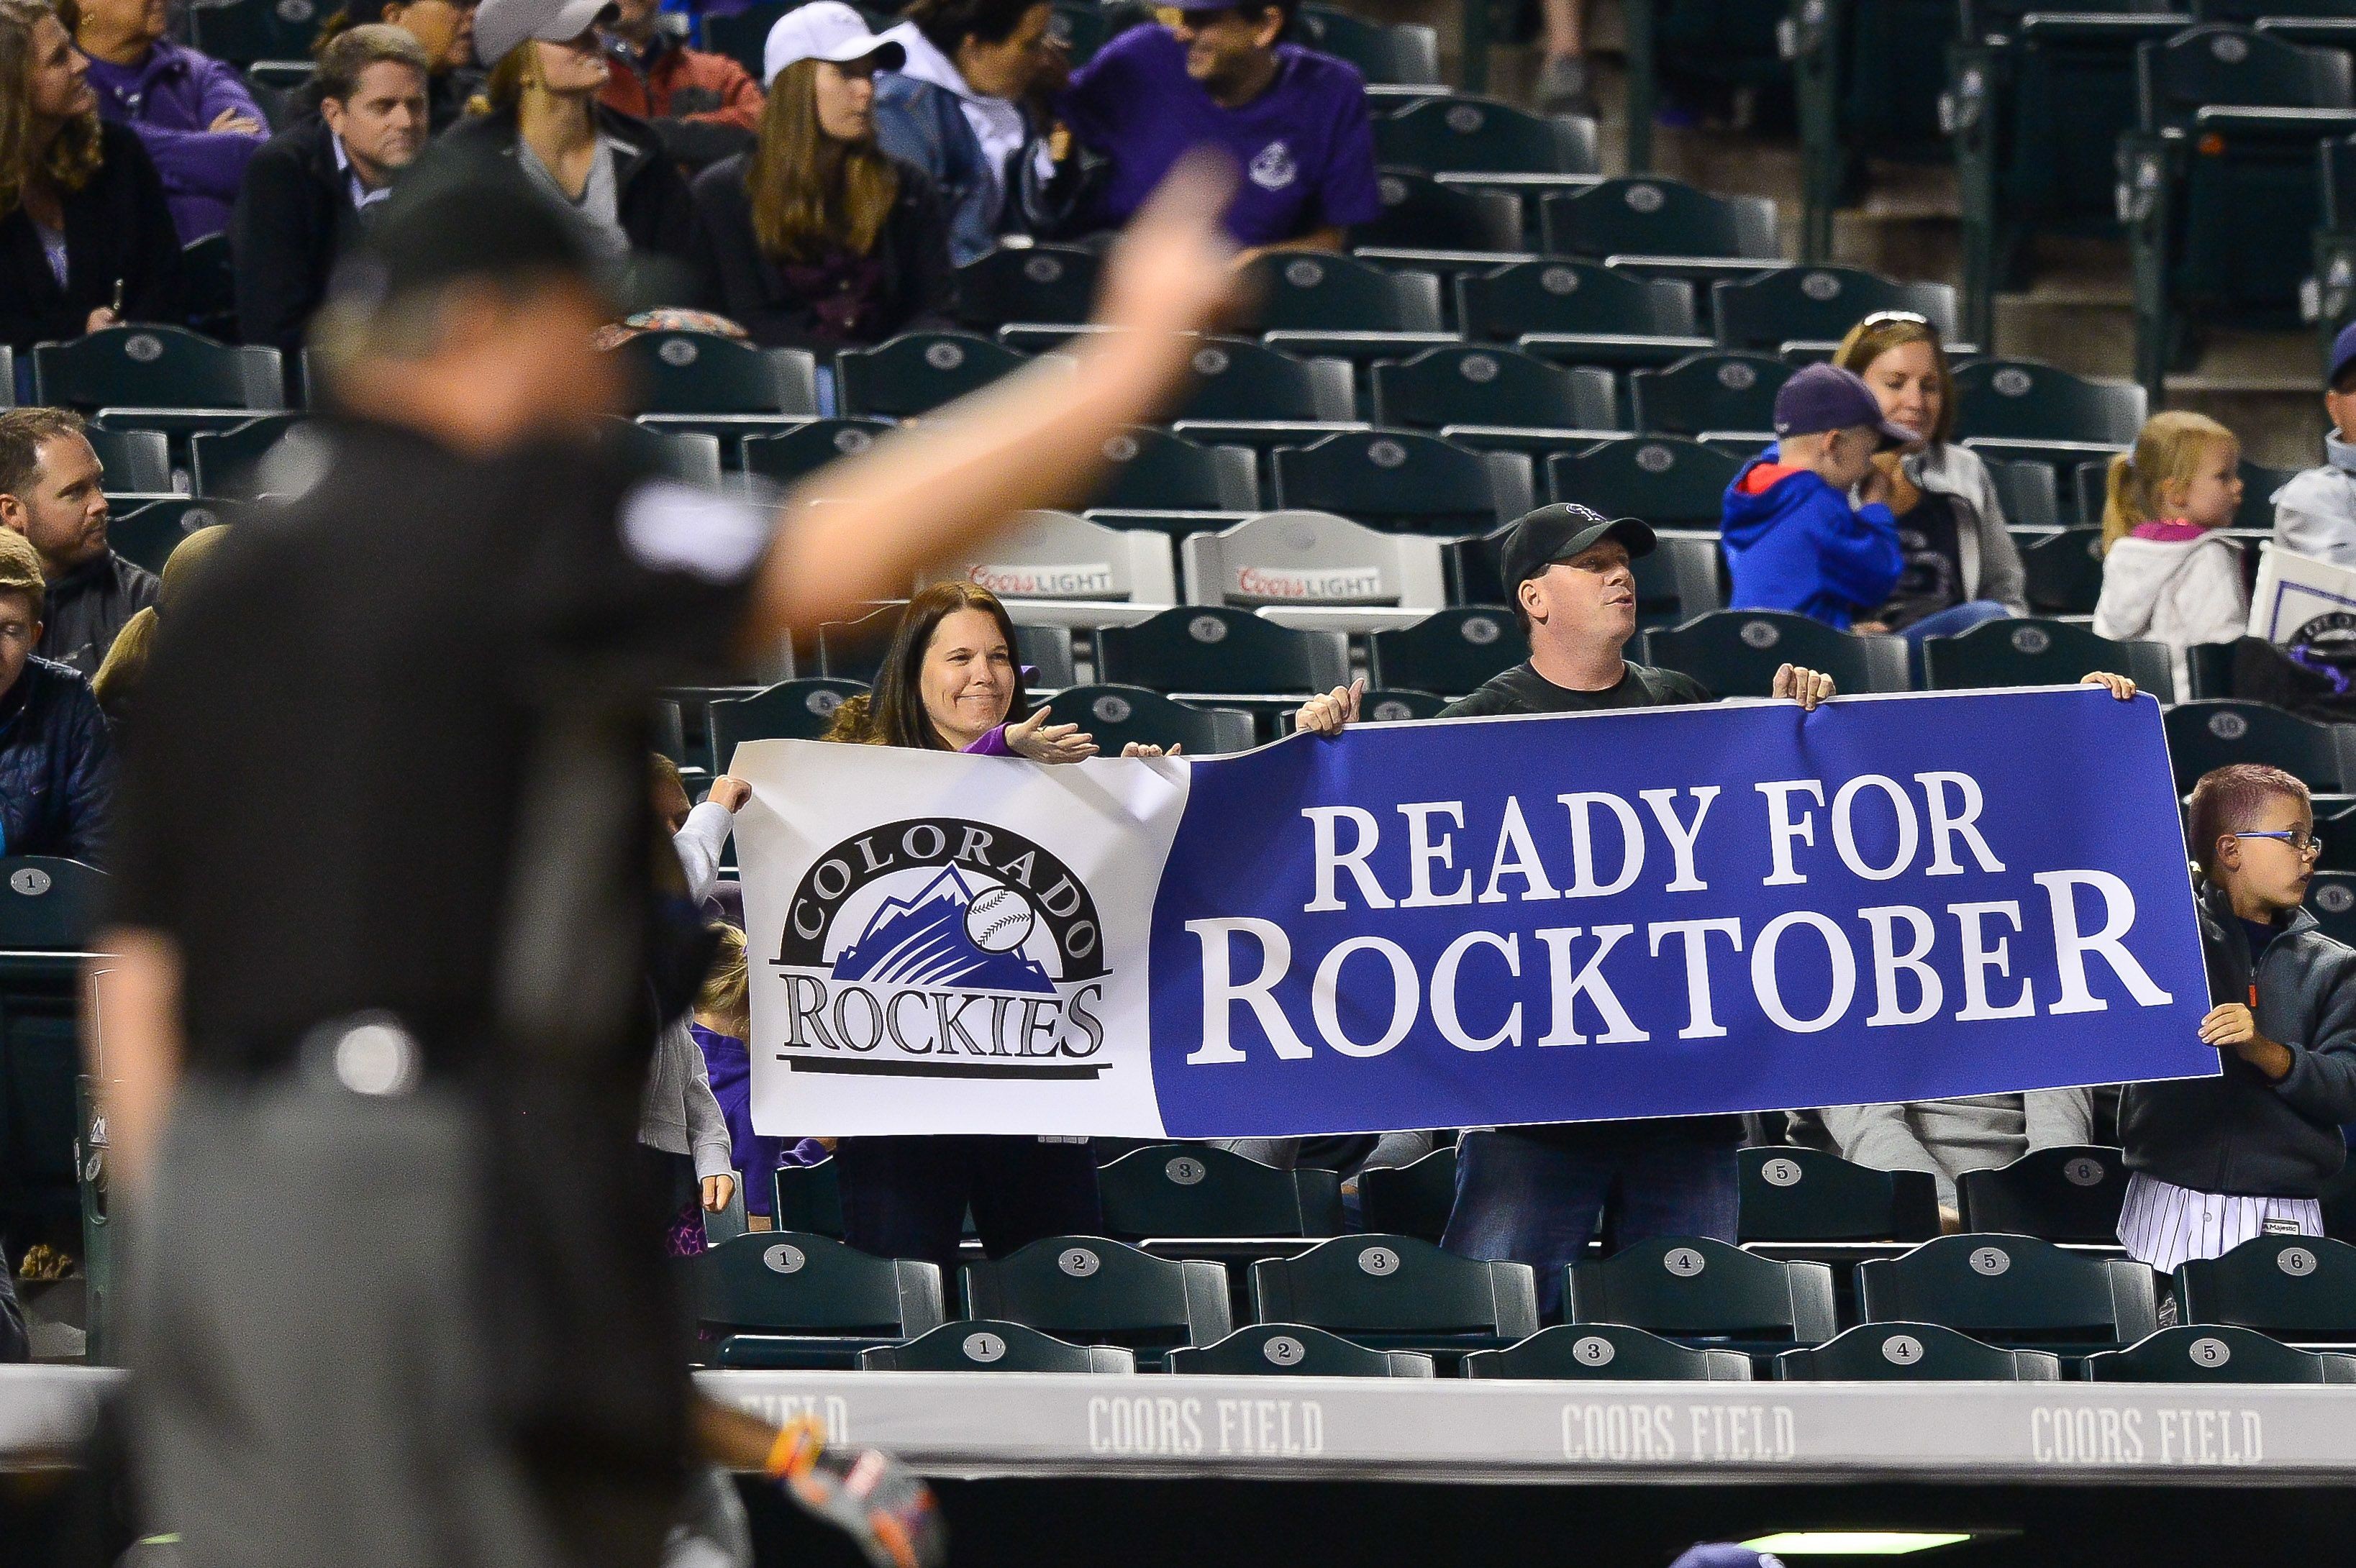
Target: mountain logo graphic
[925,941]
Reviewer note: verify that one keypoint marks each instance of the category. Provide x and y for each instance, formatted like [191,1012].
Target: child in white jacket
[2168,575]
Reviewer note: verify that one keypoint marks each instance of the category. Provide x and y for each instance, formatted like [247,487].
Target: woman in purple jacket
[192,112]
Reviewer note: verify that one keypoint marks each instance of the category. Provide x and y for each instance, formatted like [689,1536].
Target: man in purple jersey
[1294,121]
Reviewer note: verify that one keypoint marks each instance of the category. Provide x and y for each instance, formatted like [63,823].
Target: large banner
[2298,596]
[1473,921]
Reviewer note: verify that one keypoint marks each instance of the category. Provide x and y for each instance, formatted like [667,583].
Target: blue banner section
[1676,912]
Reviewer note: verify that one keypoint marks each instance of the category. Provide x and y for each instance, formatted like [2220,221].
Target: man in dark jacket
[57,771]
[308,192]
[53,494]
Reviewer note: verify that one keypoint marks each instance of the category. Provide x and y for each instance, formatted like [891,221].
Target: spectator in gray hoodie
[1948,1137]
[2315,513]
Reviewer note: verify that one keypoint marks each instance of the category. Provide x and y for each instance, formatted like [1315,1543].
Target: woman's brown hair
[812,192]
[74,155]
[1876,334]
[893,713]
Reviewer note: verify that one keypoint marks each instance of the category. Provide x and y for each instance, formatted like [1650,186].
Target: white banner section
[972,930]
[2295,592]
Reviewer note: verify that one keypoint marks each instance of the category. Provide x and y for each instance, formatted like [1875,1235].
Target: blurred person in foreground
[385,957]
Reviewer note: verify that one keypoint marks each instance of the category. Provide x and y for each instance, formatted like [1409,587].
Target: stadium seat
[2020,408]
[742,35]
[1296,1349]
[228,463]
[1247,393]
[1051,283]
[209,280]
[1150,471]
[2301,1289]
[1410,1200]
[1607,1351]
[790,1299]
[1398,706]
[1196,1190]
[1468,134]
[1731,46]
[159,377]
[132,462]
[145,535]
[705,373]
[854,650]
[1117,715]
[1405,482]
[2202,736]
[988,1345]
[916,372]
[2259,484]
[1704,392]
[2064,571]
[1096,1291]
[1484,385]
[690,456]
[1734,653]
[1451,652]
[2014,1291]
[2060,1194]
[2029,492]
[789,711]
[1845,56]
[243,31]
[1913,1352]
[1213,649]
[1395,1292]
[1327,304]
[1044,559]
[1817,305]
[1400,55]
[1426,223]
[1808,1195]
[1317,569]
[807,1197]
[1579,313]
[49,905]
[789,456]
[2216,1353]
[1678,580]
[2331,898]
[1693,1287]
[1668,480]
[1650,216]
[2041,653]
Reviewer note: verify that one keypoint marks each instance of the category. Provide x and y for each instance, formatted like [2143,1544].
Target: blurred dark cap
[457,216]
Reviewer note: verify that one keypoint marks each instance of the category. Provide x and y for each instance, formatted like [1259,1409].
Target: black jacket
[294,217]
[2239,1133]
[740,282]
[57,765]
[650,194]
[88,608]
[118,228]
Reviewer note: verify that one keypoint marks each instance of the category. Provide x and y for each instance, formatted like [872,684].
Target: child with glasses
[2217,1161]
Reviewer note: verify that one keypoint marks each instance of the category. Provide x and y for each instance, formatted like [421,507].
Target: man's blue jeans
[1540,1200]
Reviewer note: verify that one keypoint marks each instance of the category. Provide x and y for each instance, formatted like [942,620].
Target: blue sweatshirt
[1793,543]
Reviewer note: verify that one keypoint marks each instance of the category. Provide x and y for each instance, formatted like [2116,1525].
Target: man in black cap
[386,944]
[1537,1194]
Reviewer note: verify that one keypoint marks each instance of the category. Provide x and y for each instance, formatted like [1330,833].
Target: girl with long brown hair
[817,237]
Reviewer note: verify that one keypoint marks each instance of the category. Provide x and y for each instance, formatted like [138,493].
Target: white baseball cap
[821,30]
[501,24]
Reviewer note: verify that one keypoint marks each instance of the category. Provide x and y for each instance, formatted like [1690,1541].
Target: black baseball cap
[1560,533]
[456,214]
[1825,397]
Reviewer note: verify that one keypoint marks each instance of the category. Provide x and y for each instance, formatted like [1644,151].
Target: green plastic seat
[226,464]
[1808,1195]
[691,457]
[1220,650]
[1485,385]
[2331,898]
[2065,570]
[742,35]
[1817,304]
[1678,582]
[789,711]
[2030,492]
[1845,56]
[2217,1353]
[2202,736]
[2013,1291]
[1555,300]
[1096,1291]
[1668,480]
[1402,54]
[48,904]
[787,1298]
[2296,1288]
[1450,651]
[1194,1190]
[2028,400]
[1606,1351]
[705,373]
[1397,481]
[209,274]
[787,457]
[2063,1194]
[1693,1287]
[1298,292]
[1296,1351]
[1410,1200]
[854,650]
[2039,652]
[1237,380]
[918,372]
[1705,392]
[1420,213]
[136,368]
[147,534]
[1647,215]
[243,31]
[807,1197]
[1469,134]
[1395,1292]
[2259,484]
[1913,1352]
[989,1345]
[1117,715]
[131,461]
[1735,653]
[1149,469]
[1032,282]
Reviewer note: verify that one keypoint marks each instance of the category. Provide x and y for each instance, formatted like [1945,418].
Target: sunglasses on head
[1882,318]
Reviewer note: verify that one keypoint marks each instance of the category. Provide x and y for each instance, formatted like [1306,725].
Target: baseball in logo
[942,948]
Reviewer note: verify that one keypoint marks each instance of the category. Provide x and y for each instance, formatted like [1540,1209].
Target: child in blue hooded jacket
[1792,540]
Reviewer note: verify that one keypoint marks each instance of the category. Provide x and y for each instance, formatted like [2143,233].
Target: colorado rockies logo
[942,948]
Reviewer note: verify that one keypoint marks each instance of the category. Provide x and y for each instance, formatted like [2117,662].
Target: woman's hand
[1902,495]
[1140,749]
[2118,686]
[1043,742]
[1875,486]
[729,791]
[1327,715]
[717,1191]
